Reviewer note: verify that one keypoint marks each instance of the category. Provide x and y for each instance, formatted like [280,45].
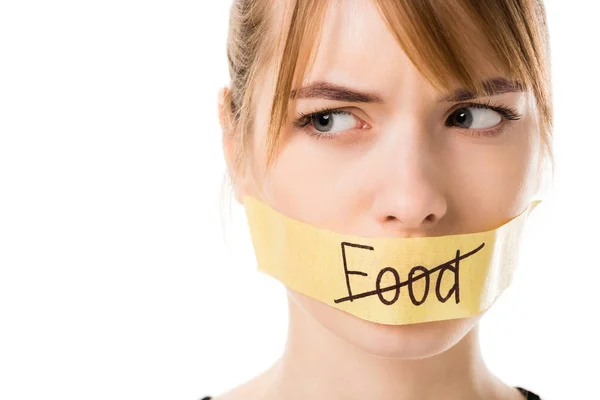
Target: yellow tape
[387,280]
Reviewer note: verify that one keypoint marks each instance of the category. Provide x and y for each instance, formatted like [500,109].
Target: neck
[317,364]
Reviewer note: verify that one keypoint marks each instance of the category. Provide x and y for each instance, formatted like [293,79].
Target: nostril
[430,219]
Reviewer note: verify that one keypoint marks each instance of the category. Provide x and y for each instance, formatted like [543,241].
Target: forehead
[357,48]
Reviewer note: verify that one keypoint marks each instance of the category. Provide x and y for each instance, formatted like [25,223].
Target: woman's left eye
[473,118]
[329,123]
[481,119]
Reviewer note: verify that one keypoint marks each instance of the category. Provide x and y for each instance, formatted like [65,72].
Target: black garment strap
[529,395]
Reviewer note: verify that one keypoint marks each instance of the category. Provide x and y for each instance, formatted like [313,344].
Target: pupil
[463,118]
[324,120]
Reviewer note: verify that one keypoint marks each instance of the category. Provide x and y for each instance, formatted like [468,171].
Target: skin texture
[395,170]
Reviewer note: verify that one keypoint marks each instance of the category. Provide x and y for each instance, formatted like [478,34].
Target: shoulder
[258,387]
[236,394]
[245,391]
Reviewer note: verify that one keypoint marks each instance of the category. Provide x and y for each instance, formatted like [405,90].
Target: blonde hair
[431,32]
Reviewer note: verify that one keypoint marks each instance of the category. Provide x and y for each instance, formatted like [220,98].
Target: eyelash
[507,113]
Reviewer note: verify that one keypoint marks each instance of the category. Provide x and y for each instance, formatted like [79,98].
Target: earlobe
[236,177]
[222,109]
[229,145]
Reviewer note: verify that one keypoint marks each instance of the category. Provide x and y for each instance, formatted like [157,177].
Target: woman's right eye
[328,123]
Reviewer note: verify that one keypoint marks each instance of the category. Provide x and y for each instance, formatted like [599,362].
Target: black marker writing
[416,273]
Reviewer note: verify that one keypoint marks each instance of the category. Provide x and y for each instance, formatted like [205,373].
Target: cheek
[495,179]
[311,180]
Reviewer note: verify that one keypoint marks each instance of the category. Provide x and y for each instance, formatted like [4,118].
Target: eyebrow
[492,87]
[330,91]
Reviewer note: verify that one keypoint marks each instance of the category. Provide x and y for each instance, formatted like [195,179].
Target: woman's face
[405,165]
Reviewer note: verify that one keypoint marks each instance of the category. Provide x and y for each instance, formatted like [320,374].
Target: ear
[229,143]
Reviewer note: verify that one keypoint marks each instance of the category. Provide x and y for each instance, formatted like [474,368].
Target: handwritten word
[423,273]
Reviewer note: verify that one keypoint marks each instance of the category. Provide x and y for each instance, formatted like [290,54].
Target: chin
[412,341]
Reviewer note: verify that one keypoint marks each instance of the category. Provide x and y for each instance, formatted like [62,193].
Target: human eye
[328,123]
[482,119]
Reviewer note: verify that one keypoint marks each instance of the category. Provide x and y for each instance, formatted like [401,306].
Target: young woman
[390,119]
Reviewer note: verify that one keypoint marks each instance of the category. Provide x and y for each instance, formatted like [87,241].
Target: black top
[528,395]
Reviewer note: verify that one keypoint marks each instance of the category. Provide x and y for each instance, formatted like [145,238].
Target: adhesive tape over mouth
[387,280]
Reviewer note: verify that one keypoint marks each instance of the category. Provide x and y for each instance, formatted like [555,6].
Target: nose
[409,200]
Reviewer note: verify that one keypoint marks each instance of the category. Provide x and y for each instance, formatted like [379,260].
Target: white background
[115,279]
